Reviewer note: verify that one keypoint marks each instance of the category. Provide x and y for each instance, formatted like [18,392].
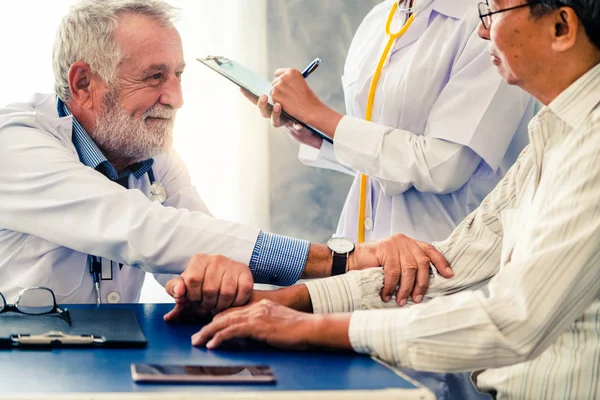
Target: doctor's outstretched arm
[212,283]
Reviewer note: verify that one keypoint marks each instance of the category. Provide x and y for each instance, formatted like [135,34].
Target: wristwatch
[340,250]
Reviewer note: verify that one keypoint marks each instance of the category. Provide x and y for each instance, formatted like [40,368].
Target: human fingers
[245,288]
[174,313]
[176,288]
[407,275]
[280,71]
[276,116]
[193,276]
[422,274]
[252,98]
[391,268]
[218,323]
[227,291]
[437,259]
[183,311]
[211,287]
[231,332]
[263,106]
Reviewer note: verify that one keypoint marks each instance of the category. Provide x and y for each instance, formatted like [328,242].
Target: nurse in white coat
[445,127]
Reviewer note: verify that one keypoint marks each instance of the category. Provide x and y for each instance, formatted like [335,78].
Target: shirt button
[273,279]
[368,223]
[113,298]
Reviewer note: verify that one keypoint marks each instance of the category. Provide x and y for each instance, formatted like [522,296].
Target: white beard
[120,136]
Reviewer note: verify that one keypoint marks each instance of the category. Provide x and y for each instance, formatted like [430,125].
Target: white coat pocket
[42,263]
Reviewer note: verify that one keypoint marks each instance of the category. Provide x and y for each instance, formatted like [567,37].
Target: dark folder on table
[252,83]
[89,328]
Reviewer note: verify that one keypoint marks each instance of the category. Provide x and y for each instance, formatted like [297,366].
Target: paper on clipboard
[251,82]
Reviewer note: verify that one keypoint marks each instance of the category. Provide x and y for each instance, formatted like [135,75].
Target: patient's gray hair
[86,34]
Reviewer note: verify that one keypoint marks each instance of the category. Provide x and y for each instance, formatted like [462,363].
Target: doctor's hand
[296,131]
[405,262]
[209,285]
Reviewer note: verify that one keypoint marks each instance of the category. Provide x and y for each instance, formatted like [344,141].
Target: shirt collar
[90,154]
[576,102]
[456,9]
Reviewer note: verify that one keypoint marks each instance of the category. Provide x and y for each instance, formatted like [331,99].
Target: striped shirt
[534,331]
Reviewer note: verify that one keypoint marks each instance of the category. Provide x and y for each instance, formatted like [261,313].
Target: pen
[311,67]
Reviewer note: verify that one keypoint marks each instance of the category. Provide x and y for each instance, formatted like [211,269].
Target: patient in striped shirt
[523,306]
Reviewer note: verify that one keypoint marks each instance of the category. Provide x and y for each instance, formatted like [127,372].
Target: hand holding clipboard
[254,84]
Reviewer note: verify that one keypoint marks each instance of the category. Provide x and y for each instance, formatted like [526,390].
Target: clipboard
[252,83]
[107,328]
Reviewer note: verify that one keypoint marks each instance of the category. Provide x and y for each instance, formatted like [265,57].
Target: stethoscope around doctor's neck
[411,10]
[101,268]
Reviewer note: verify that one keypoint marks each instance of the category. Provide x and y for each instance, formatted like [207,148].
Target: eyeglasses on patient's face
[485,13]
[35,301]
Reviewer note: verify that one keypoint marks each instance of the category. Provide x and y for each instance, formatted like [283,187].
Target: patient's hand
[276,325]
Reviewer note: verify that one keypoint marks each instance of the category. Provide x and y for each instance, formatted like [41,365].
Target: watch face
[340,245]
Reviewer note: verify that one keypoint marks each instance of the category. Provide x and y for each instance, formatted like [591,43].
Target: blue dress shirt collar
[90,154]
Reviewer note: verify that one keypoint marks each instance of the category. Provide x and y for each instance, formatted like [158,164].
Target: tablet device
[252,83]
[153,373]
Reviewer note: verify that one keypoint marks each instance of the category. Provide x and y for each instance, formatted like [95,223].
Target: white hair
[86,34]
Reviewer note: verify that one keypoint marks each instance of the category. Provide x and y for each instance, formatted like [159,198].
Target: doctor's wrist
[318,262]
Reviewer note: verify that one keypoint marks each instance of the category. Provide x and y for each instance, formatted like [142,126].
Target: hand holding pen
[292,94]
[291,91]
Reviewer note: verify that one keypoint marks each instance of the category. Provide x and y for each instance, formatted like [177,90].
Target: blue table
[107,371]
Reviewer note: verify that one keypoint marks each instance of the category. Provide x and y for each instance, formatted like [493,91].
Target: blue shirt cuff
[278,260]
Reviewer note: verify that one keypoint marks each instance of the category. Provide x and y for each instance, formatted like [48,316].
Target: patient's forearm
[331,331]
[295,297]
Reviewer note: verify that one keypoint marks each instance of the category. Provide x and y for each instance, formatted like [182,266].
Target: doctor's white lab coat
[54,211]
